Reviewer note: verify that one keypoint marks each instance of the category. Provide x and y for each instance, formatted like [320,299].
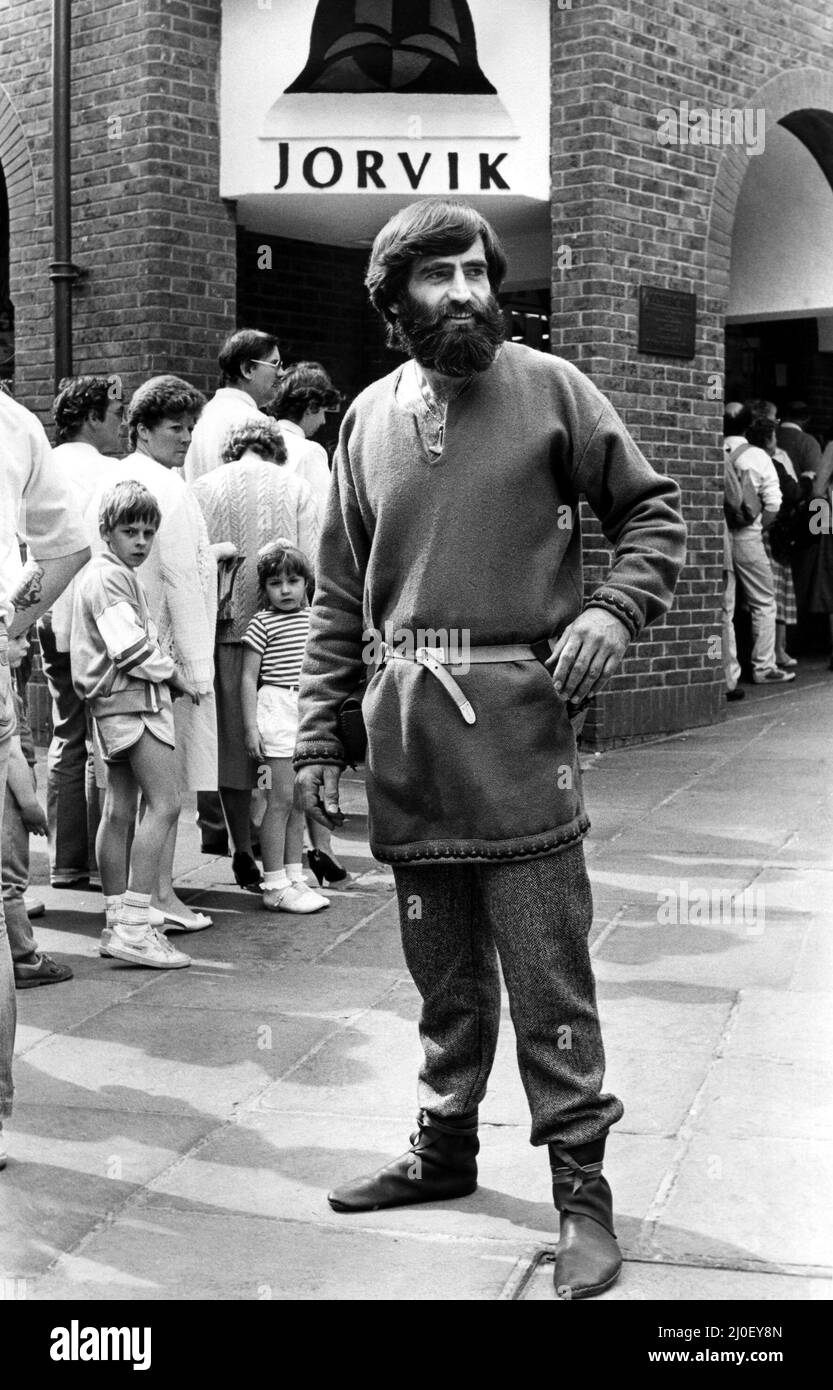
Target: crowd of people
[173,656]
[778,547]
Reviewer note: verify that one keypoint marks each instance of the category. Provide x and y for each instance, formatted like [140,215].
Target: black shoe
[46,972]
[736,694]
[325,868]
[440,1164]
[588,1259]
[246,872]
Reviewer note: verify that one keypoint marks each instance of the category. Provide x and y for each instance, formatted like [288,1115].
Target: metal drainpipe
[62,272]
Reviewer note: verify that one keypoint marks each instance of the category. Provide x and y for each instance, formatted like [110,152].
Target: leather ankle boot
[588,1259]
[440,1164]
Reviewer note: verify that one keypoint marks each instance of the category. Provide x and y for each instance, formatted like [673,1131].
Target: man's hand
[588,653]
[34,818]
[316,789]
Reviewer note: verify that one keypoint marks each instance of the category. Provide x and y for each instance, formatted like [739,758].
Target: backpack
[741,503]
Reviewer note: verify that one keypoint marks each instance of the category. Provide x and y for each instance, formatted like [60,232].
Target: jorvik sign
[348,167]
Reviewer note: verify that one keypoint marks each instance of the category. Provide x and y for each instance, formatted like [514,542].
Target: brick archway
[19,175]
[805,89]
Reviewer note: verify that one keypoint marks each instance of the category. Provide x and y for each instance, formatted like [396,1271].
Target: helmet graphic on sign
[393,46]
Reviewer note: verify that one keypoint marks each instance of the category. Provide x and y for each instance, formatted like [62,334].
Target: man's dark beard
[451,349]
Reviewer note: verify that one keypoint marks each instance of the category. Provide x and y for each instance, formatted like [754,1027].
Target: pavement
[175,1133]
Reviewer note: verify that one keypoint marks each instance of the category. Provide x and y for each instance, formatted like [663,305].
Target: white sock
[296,873]
[278,878]
[134,917]
[112,908]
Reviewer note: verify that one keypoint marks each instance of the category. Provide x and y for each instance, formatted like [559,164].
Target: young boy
[118,668]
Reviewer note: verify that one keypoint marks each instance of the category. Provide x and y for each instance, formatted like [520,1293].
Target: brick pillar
[632,212]
[149,229]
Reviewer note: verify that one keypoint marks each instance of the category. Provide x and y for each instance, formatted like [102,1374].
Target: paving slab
[782,1025]
[326,991]
[704,954]
[741,1202]
[185,1255]
[747,1096]
[173,1060]
[651,1283]
[70,1168]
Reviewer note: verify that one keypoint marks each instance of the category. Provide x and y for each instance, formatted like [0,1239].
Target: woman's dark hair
[305,386]
[161,398]
[240,348]
[760,431]
[125,503]
[78,398]
[433,227]
[279,556]
[262,436]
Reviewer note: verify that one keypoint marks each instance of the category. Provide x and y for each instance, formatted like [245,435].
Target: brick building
[232,160]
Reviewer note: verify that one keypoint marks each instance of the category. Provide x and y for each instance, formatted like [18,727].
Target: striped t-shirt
[280,638]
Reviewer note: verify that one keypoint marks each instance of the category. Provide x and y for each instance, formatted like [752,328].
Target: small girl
[273,652]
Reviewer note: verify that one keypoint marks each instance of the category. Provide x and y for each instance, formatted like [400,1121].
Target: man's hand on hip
[316,787]
[588,653]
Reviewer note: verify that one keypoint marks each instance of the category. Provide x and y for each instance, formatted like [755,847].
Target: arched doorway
[771,228]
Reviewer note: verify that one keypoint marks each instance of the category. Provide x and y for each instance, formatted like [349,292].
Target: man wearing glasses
[250,362]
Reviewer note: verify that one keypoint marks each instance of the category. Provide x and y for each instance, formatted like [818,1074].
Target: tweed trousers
[534,916]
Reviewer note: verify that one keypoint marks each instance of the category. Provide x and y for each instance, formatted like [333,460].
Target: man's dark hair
[245,346]
[760,431]
[306,386]
[797,412]
[161,398]
[433,227]
[762,408]
[78,398]
[736,418]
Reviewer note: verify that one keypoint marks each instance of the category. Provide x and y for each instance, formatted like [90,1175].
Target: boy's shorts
[115,734]
[277,720]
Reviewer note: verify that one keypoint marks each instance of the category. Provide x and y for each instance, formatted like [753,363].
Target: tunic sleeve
[333,665]
[639,512]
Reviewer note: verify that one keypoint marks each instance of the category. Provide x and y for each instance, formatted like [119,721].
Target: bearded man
[452,482]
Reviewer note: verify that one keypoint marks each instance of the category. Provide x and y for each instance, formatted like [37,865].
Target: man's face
[262,378]
[449,319]
[108,429]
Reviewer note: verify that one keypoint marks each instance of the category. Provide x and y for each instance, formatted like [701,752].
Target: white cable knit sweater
[252,502]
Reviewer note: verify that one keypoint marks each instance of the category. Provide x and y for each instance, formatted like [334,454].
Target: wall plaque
[667,322]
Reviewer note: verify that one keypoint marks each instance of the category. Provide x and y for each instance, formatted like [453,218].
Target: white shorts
[277,720]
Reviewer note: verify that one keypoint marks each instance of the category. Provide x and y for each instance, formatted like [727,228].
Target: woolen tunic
[484,540]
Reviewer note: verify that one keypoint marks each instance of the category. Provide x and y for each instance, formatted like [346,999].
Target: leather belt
[436,659]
